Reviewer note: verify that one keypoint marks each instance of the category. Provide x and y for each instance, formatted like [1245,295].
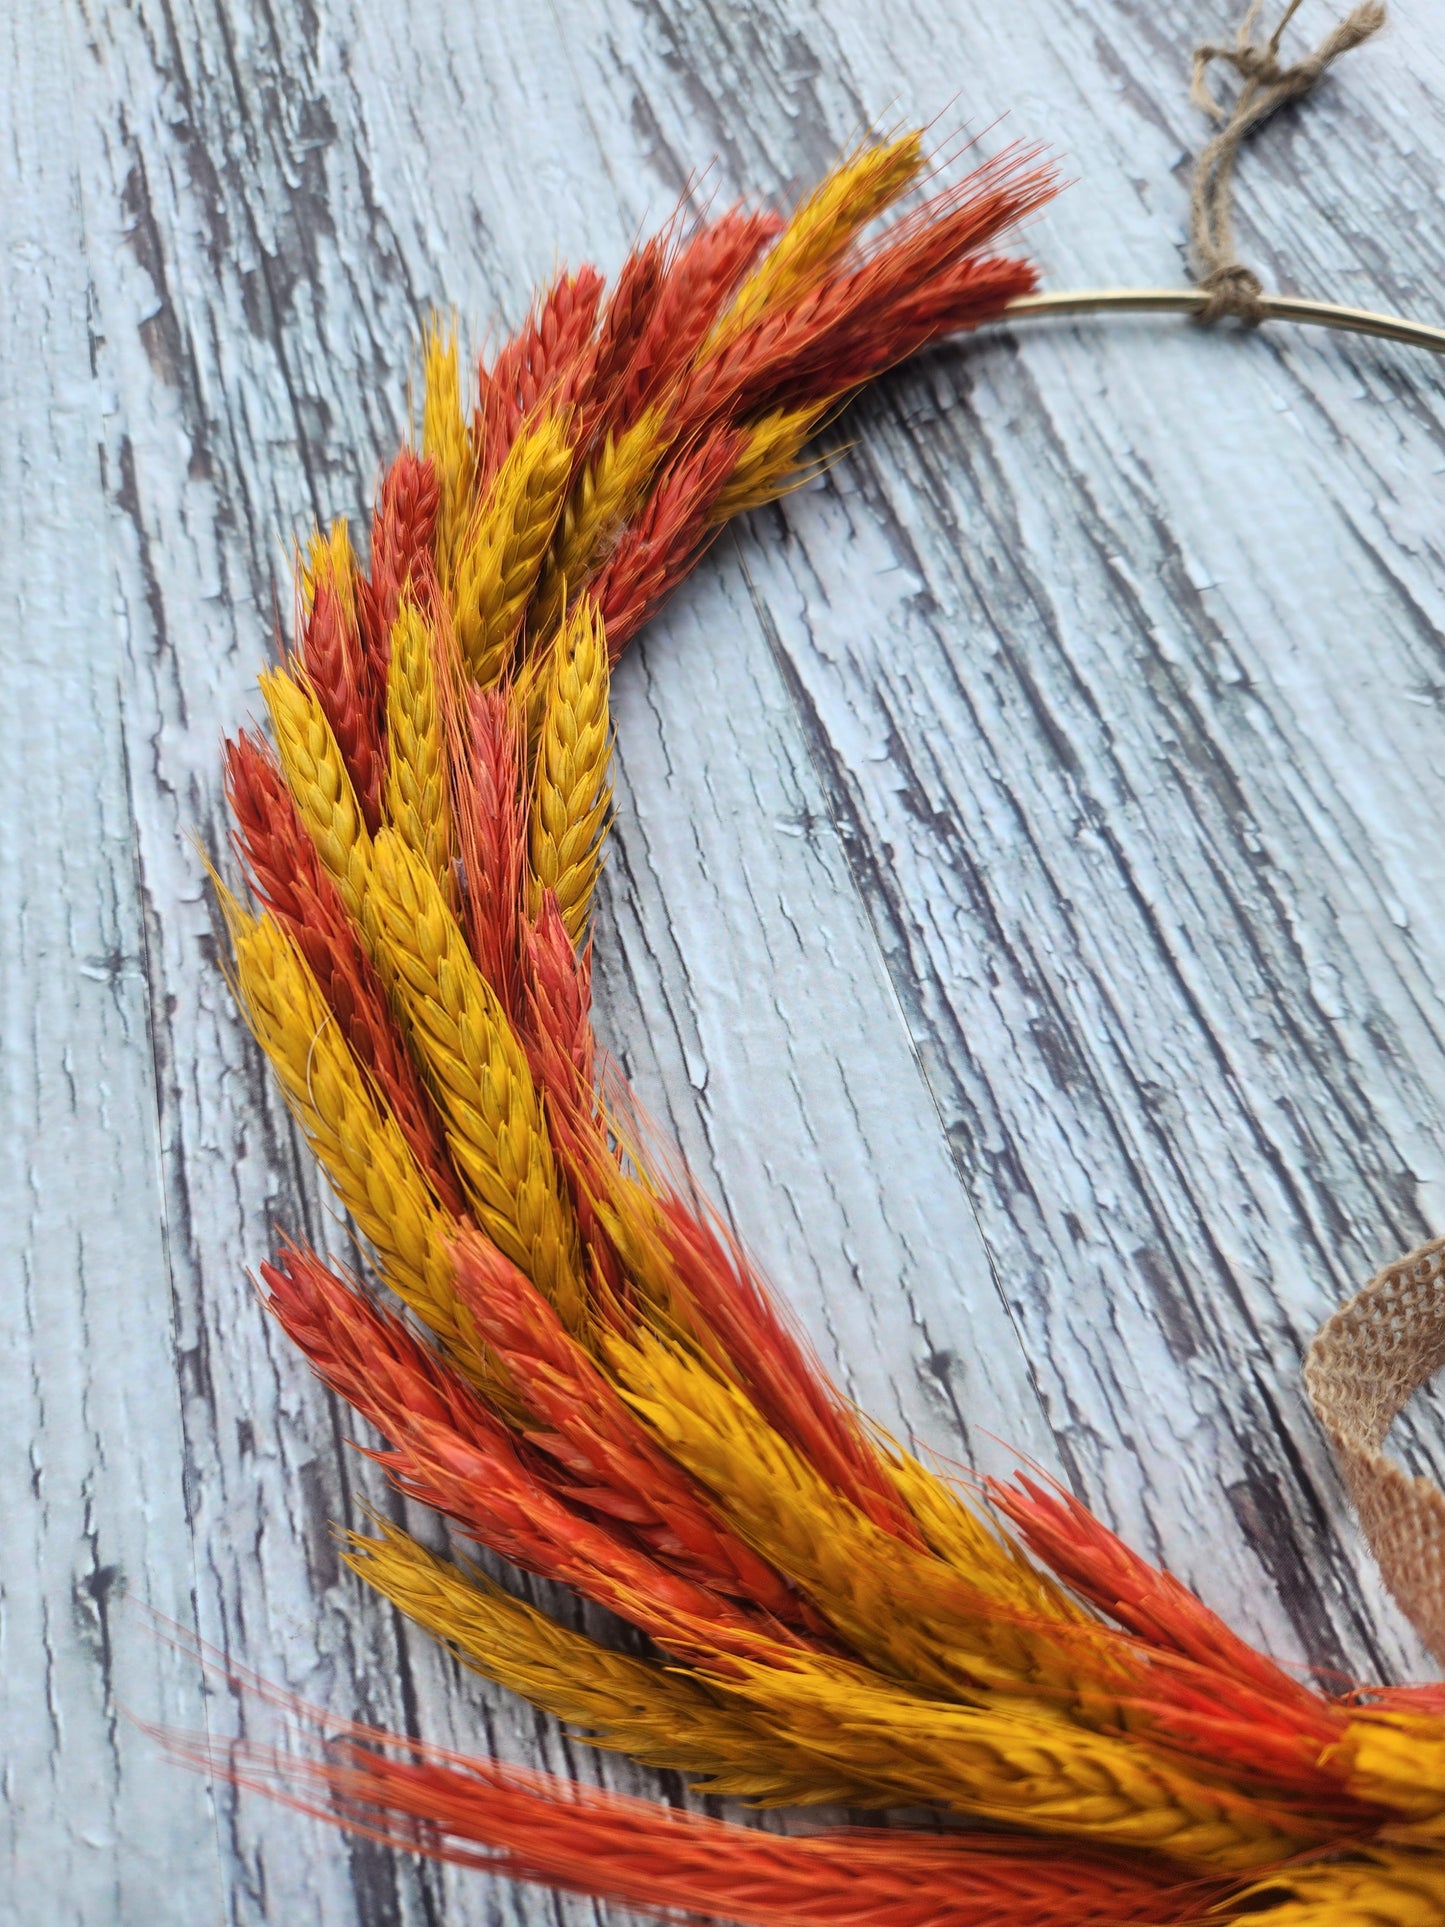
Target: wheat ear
[602,500]
[1396,1759]
[479,1071]
[570,790]
[977,1548]
[505,547]
[349,1127]
[771,461]
[315,772]
[899,1609]
[1021,1766]
[417,796]
[446,438]
[1378,1887]
[663,1716]
[331,559]
[823,227]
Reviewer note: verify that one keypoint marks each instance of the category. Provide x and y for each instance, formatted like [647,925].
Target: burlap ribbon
[1360,1372]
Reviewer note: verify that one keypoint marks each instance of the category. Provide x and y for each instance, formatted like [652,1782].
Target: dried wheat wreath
[567,1356]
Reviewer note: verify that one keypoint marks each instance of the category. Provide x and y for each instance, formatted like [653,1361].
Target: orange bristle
[696,283]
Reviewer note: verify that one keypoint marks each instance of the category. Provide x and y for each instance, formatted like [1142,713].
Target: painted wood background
[1025,906]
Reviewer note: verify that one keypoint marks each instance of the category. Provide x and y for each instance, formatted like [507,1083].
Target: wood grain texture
[1037,964]
[91,1457]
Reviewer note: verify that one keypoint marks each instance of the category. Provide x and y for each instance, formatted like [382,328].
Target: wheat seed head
[665,1717]
[825,224]
[316,775]
[331,560]
[446,438]
[417,793]
[771,462]
[571,793]
[605,496]
[346,1122]
[478,1069]
[506,545]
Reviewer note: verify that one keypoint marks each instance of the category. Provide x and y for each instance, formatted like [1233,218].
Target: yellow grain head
[771,461]
[977,1549]
[446,437]
[498,567]
[899,1609]
[837,210]
[1380,1887]
[1397,1760]
[602,500]
[662,1716]
[349,1127]
[997,1759]
[495,1124]
[316,774]
[527,694]
[331,559]
[570,789]
[417,796]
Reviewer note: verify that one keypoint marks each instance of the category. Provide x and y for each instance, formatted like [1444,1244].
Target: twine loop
[1267,84]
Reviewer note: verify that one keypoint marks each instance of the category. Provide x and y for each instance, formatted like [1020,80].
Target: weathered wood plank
[1090,697]
[743,992]
[91,1501]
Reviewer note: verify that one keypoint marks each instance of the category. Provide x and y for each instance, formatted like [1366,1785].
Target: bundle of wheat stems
[567,1356]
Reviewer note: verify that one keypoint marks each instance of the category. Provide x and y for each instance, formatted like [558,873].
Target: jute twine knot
[1233,288]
